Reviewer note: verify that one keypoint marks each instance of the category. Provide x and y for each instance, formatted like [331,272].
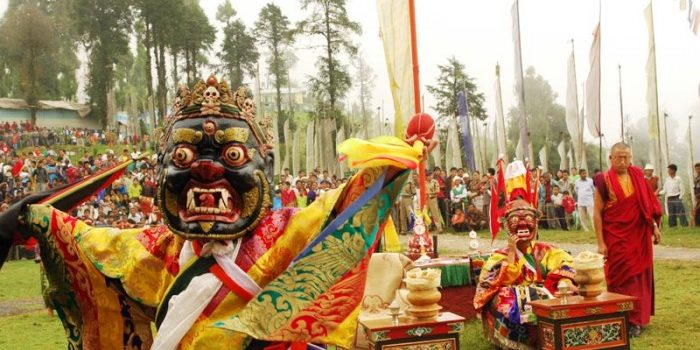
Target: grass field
[25,325]
[682,237]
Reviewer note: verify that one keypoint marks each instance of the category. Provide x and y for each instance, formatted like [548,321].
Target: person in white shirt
[557,198]
[584,192]
[673,191]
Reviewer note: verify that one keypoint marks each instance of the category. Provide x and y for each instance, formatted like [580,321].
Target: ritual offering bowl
[590,274]
[423,293]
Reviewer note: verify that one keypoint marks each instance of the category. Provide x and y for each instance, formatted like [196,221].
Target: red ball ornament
[211,81]
[421,124]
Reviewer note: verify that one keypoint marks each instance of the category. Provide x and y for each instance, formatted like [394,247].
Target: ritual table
[598,323]
[456,284]
[439,333]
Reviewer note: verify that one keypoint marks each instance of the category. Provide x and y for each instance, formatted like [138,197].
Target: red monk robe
[629,213]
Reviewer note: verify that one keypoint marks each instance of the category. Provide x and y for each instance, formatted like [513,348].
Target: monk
[626,217]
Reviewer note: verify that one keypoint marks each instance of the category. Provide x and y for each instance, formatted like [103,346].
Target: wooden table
[599,323]
[440,333]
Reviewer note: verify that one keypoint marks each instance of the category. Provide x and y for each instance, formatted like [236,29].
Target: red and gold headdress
[215,99]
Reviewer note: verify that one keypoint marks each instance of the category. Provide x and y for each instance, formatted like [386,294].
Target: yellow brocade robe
[110,282]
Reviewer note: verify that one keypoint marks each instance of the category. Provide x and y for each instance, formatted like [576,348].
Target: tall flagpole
[622,118]
[423,195]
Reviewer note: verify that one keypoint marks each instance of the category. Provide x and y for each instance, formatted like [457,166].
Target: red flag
[498,200]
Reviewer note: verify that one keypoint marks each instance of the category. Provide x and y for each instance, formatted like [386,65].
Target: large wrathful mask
[216,164]
[521,220]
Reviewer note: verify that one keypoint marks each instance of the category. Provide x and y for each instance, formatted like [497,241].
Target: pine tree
[452,80]
[238,52]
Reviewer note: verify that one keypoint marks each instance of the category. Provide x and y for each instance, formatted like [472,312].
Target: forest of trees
[138,51]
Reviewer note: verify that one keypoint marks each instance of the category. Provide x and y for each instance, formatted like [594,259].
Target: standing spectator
[406,205]
[287,177]
[651,179]
[287,195]
[545,199]
[433,207]
[565,183]
[41,176]
[312,193]
[439,175]
[673,190]
[569,205]
[134,189]
[584,193]
[574,176]
[301,193]
[557,202]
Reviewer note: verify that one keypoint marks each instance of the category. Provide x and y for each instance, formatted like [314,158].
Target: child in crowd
[459,221]
[277,200]
[569,205]
[557,202]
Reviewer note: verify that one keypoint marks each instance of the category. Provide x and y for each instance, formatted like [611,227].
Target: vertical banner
[287,145]
[655,149]
[563,161]
[500,131]
[543,158]
[395,31]
[593,86]
[454,144]
[309,152]
[467,142]
[524,147]
[295,152]
[572,121]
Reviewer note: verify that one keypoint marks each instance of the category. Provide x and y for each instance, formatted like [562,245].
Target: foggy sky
[478,33]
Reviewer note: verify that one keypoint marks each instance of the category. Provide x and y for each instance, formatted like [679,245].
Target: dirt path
[454,243]
[20,306]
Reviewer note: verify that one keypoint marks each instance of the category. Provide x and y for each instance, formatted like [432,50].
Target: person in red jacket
[569,205]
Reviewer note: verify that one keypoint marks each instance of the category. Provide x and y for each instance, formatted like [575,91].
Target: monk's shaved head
[620,146]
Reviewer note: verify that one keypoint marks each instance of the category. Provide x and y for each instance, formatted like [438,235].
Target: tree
[329,20]
[452,80]
[546,118]
[273,32]
[103,26]
[198,37]
[365,83]
[238,52]
[29,44]
[159,19]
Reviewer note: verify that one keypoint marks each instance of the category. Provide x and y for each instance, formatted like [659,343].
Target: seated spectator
[475,218]
[459,221]
[557,202]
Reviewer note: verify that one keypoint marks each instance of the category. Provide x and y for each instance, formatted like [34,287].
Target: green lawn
[683,237]
[676,316]
[676,313]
